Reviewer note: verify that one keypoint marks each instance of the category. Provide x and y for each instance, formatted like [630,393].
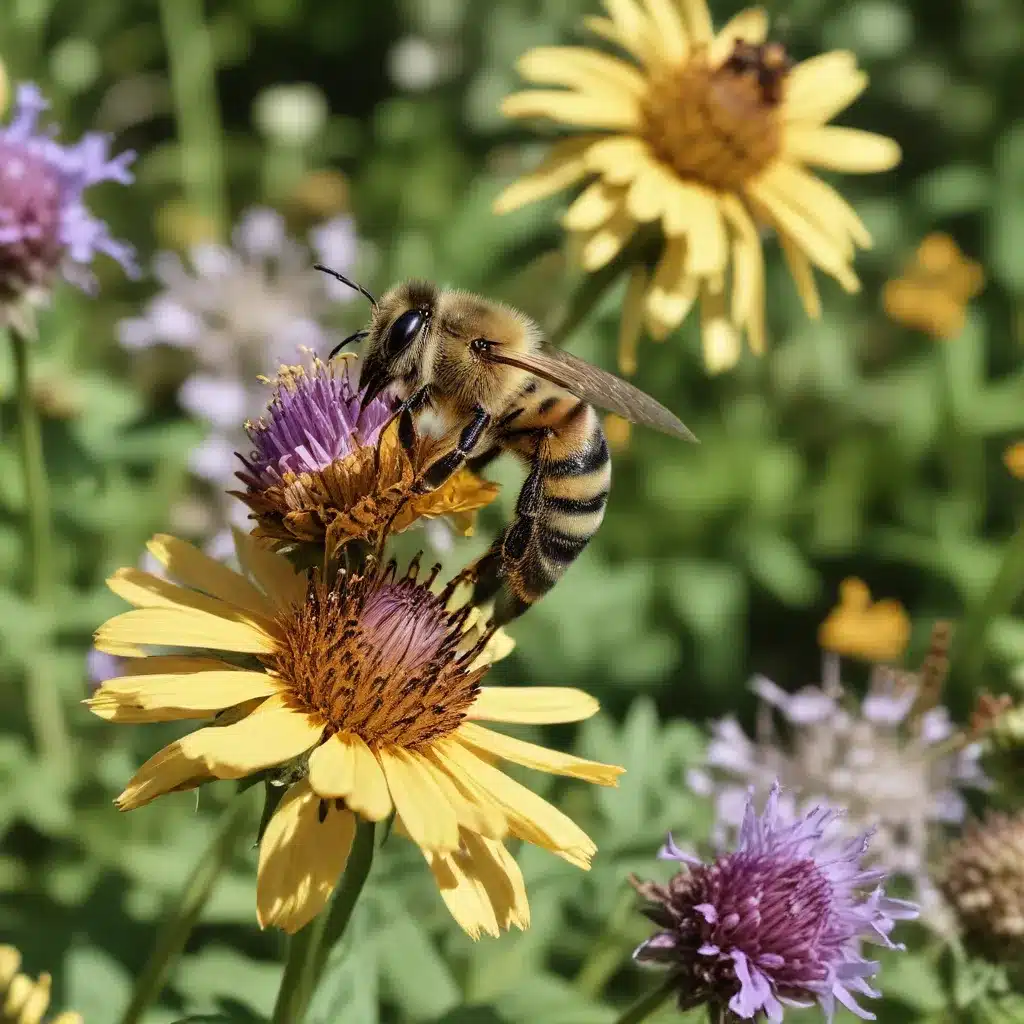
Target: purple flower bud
[45,226]
[778,921]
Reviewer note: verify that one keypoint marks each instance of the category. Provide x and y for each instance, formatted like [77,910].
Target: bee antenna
[358,336]
[344,280]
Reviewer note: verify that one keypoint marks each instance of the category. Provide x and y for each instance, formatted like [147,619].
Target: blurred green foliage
[855,446]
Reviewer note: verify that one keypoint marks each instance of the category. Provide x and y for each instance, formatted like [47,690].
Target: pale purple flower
[778,921]
[871,757]
[314,419]
[45,226]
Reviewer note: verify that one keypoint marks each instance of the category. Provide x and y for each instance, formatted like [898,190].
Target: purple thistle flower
[778,921]
[313,420]
[44,223]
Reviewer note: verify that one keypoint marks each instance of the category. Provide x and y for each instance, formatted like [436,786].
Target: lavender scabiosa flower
[885,759]
[45,226]
[780,920]
[240,309]
[320,471]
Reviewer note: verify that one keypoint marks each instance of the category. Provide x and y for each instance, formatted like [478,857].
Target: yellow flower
[22,1000]
[708,136]
[933,293]
[857,627]
[325,471]
[1014,459]
[369,691]
[617,430]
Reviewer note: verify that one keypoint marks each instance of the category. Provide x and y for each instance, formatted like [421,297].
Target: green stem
[310,948]
[44,707]
[197,111]
[1007,584]
[185,910]
[646,1005]
[605,956]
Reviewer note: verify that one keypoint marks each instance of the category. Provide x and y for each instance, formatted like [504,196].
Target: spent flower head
[887,759]
[779,920]
[982,877]
[45,226]
[320,472]
[363,696]
[691,143]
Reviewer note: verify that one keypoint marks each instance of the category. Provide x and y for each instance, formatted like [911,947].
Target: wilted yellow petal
[840,149]
[302,855]
[531,755]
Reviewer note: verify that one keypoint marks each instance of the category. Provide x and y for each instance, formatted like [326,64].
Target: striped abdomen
[562,502]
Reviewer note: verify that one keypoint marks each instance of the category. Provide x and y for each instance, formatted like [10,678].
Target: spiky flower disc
[45,226]
[320,472]
[779,920]
[364,697]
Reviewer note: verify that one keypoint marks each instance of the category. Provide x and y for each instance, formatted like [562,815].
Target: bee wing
[594,386]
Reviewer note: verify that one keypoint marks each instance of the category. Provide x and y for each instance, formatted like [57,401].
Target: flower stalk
[648,1004]
[186,909]
[310,949]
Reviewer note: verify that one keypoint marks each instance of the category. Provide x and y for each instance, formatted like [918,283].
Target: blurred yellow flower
[709,136]
[22,1000]
[366,695]
[617,430]
[935,287]
[858,628]
[1014,459]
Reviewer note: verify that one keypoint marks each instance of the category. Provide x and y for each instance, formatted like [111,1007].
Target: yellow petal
[669,33]
[748,265]
[592,207]
[819,202]
[579,68]
[605,28]
[531,755]
[697,19]
[345,767]
[692,211]
[750,26]
[301,859]
[827,252]
[607,242]
[840,149]
[632,30]
[428,816]
[183,627]
[719,337]
[187,564]
[529,816]
[168,697]
[464,895]
[649,192]
[1013,458]
[285,587]
[563,166]
[802,273]
[471,810]
[370,795]
[618,159]
[818,88]
[673,290]
[632,320]
[272,734]
[620,112]
[502,879]
[332,767]
[499,646]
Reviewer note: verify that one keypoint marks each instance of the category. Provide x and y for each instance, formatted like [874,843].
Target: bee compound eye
[404,330]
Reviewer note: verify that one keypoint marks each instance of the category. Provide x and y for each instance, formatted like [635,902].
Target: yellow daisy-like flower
[874,631]
[1014,459]
[370,690]
[707,135]
[326,470]
[22,1000]
[933,292]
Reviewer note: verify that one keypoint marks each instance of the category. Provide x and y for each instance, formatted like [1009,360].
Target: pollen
[719,126]
[380,657]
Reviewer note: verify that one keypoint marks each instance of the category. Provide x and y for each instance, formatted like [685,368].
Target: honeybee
[480,373]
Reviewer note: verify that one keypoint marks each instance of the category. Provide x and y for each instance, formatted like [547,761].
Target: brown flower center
[380,657]
[718,125]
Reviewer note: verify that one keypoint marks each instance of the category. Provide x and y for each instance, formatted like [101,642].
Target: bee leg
[437,472]
[406,427]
